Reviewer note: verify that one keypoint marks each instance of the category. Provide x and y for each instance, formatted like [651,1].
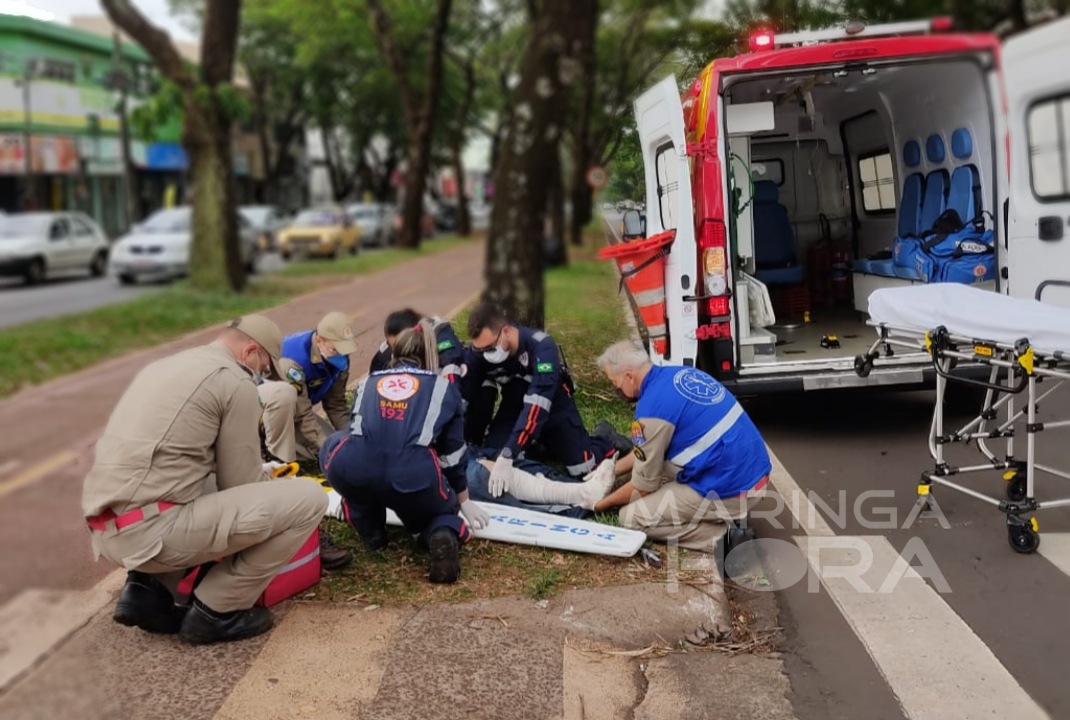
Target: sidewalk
[595,653]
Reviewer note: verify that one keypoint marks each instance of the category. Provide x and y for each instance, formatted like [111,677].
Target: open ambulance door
[659,117]
[1037,241]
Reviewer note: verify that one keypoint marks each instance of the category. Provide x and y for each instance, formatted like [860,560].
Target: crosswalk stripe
[934,663]
[1055,548]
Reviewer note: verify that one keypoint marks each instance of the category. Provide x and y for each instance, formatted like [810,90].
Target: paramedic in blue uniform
[537,407]
[699,461]
[323,355]
[405,451]
[449,347]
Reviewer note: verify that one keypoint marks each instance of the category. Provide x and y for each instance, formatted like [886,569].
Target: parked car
[266,221]
[374,222]
[322,231]
[35,244]
[158,248]
[427,225]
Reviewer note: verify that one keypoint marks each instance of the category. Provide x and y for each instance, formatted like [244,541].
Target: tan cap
[266,333]
[335,327]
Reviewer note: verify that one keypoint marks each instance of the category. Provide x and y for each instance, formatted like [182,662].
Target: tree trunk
[215,255]
[513,274]
[556,254]
[263,130]
[580,190]
[213,264]
[1016,11]
[419,116]
[464,219]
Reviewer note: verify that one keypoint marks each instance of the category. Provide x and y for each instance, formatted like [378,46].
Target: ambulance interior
[842,161]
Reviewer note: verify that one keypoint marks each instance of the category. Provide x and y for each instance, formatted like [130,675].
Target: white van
[802,172]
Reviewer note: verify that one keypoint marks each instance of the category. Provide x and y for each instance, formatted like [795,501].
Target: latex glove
[477,517]
[273,467]
[500,475]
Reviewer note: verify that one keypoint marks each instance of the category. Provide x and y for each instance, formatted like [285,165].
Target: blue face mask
[340,362]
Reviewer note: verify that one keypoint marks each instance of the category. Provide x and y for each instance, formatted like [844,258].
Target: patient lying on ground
[536,488]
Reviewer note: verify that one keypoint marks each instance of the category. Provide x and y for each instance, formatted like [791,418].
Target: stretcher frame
[1013,369]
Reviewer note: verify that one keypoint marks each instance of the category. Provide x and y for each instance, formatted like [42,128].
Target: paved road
[75,292]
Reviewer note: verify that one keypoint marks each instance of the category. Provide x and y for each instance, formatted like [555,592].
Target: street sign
[596,177]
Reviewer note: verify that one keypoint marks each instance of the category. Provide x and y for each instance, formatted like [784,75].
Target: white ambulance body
[837,143]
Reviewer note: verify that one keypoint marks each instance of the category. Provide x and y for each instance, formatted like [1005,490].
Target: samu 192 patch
[544,367]
[445,345]
[638,436]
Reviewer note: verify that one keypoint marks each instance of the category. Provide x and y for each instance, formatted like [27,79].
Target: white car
[158,249]
[35,244]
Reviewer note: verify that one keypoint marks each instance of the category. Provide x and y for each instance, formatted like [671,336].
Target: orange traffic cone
[642,268]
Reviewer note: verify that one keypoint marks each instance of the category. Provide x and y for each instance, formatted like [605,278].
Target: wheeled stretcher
[1009,347]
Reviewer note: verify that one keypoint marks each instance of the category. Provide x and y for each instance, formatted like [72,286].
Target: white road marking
[1055,547]
[931,659]
[38,471]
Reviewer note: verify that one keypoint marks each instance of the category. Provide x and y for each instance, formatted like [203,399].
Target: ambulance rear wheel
[1023,539]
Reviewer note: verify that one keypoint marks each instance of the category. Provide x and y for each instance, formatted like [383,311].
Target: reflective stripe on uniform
[358,420]
[453,459]
[434,409]
[538,336]
[539,400]
[582,469]
[451,369]
[712,435]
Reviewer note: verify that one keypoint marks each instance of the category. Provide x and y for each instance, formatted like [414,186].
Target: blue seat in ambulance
[774,239]
[909,212]
[965,193]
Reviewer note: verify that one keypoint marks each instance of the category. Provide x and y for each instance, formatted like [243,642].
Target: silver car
[158,248]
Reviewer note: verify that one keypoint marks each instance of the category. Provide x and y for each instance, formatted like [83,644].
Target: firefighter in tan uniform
[178,481]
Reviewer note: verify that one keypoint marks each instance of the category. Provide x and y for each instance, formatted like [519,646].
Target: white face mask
[496,356]
[258,375]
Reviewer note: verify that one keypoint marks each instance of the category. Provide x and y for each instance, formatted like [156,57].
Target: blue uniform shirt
[405,408]
[319,374]
[712,439]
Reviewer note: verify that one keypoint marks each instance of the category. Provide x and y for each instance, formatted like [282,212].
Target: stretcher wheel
[1016,489]
[1023,538]
[863,365]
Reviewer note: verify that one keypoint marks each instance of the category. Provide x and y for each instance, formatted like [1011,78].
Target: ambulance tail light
[713,258]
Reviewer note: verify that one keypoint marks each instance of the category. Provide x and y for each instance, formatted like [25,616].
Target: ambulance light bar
[765,40]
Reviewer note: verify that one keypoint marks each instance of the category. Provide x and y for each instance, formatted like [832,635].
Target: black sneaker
[445,556]
[604,429]
[202,625]
[145,603]
[332,557]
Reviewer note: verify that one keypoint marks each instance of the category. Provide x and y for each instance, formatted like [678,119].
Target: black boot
[445,556]
[202,625]
[604,429]
[147,604]
[332,557]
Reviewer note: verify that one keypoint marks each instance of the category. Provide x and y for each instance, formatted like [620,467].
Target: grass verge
[584,314]
[35,352]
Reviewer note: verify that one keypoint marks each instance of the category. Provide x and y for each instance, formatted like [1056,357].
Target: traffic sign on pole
[597,177]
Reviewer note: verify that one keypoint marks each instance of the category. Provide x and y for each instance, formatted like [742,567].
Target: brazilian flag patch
[295,375]
[544,367]
[445,345]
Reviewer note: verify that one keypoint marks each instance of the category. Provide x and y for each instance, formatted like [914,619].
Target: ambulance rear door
[659,117]
[1036,67]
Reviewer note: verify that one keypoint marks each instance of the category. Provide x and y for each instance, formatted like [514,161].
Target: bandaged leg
[540,490]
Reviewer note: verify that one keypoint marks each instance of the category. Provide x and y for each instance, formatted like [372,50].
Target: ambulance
[796,179]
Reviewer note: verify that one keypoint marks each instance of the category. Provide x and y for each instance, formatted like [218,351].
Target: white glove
[477,517]
[500,475]
[271,467]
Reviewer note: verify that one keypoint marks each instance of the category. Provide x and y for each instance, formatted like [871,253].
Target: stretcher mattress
[974,313]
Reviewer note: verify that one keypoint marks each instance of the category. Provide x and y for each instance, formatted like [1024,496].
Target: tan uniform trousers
[676,512]
[280,423]
[254,529]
